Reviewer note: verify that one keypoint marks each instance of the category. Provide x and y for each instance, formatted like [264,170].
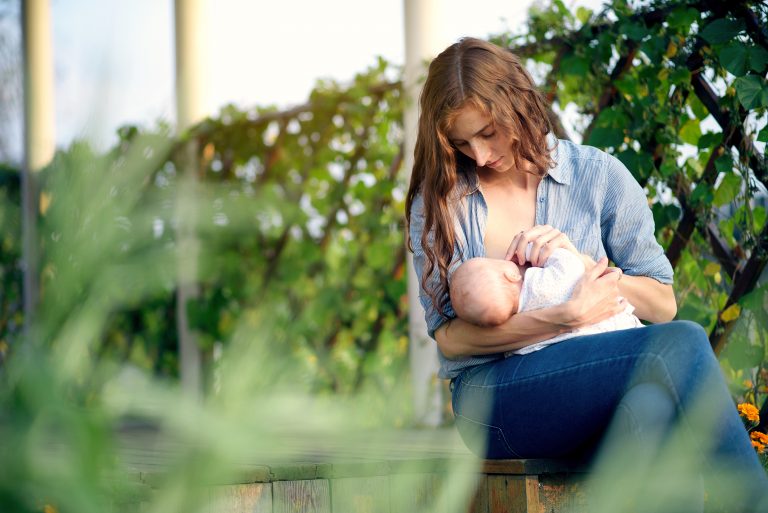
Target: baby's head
[486,291]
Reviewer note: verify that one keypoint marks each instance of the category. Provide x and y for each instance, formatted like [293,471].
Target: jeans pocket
[483,440]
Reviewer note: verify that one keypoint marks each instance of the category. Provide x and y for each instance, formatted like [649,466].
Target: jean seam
[632,418]
[497,428]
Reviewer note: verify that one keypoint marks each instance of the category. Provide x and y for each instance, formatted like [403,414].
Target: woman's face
[475,135]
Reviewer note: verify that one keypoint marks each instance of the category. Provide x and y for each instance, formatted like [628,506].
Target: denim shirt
[589,195]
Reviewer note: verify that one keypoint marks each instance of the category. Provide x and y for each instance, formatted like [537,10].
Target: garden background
[294,219]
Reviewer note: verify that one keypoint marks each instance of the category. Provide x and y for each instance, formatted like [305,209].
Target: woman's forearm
[457,338]
[653,301]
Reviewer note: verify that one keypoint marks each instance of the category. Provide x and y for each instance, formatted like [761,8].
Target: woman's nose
[480,152]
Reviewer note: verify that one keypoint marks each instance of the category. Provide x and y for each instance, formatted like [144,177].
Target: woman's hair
[492,79]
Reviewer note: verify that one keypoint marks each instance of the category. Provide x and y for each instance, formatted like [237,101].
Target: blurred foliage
[301,262]
[11,307]
[298,221]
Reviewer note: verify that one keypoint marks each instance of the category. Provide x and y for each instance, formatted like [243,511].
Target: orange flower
[760,448]
[749,412]
[759,437]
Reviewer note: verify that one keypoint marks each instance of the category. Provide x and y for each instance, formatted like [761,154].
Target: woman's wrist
[554,319]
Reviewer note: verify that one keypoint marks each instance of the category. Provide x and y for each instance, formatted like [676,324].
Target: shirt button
[541,200]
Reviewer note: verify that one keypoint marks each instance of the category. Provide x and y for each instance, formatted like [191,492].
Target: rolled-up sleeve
[628,228]
[416,228]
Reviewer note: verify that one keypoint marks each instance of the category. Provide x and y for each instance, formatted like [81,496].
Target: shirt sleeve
[416,228]
[628,229]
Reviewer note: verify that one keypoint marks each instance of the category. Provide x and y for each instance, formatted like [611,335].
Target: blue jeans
[560,402]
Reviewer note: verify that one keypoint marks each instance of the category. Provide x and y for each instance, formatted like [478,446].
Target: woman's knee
[678,355]
[684,338]
[684,332]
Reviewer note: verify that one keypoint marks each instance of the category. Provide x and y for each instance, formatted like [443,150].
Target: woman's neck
[514,178]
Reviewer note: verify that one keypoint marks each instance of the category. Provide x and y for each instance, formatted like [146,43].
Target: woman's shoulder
[581,159]
[574,152]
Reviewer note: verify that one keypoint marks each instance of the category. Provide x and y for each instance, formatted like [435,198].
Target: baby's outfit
[552,285]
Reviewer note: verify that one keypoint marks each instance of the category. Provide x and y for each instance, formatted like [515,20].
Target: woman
[488,179]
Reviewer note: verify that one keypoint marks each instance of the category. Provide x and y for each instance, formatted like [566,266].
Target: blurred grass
[68,406]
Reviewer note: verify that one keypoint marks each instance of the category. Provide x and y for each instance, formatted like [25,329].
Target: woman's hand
[596,297]
[544,239]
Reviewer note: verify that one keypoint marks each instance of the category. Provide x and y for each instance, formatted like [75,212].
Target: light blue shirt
[589,195]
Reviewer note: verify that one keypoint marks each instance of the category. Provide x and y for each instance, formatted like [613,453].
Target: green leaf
[697,107]
[710,140]
[606,137]
[682,18]
[635,31]
[731,313]
[574,65]
[695,309]
[612,117]
[583,14]
[724,163]
[668,167]
[722,30]
[665,215]
[727,190]
[752,91]
[733,57]
[758,58]
[702,194]
[690,132]
[680,76]
[627,85]
[762,136]
[759,215]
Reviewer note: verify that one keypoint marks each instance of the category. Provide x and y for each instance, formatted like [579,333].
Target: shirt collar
[469,182]
[563,170]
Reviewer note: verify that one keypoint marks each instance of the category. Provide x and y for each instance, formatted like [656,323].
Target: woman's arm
[595,298]
[642,291]
[653,301]
[457,338]
[630,241]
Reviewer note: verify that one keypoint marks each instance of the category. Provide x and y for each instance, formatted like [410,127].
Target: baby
[487,291]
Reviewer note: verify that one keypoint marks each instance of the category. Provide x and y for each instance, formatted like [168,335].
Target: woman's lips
[494,163]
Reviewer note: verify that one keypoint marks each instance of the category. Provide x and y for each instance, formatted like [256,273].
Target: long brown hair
[469,72]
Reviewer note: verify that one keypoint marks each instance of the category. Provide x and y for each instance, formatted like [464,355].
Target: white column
[422,42]
[39,138]
[191,62]
[191,107]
